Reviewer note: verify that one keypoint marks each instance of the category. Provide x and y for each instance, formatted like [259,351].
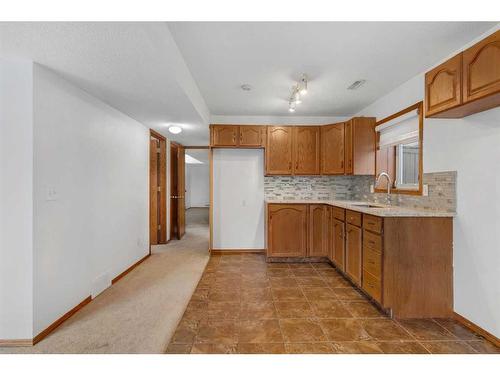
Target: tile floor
[244,305]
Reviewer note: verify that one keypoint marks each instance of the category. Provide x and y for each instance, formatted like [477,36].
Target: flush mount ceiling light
[300,88]
[174,129]
[246,87]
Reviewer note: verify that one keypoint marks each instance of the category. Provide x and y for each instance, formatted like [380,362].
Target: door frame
[162,198]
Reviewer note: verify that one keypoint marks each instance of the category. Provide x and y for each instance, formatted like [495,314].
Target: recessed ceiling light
[246,87]
[175,129]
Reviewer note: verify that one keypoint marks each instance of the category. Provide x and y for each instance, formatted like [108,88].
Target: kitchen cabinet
[279,150]
[467,83]
[359,146]
[252,136]
[338,251]
[332,149]
[243,136]
[306,147]
[224,135]
[287,226]
[353,253]
[443,86]
[318,230]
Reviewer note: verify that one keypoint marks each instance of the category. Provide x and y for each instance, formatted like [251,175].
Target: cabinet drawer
[353,217]
[372,223]
[338,213]
[372,286]
[372,262]
[372,241]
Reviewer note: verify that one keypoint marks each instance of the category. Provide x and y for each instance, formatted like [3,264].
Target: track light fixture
[298,90]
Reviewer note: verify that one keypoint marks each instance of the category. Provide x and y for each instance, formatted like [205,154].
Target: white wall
[16,199]
[197,185]
[469,146]
[96,159]
[238,202]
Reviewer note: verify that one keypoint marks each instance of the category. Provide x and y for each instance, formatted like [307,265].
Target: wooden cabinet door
[287,230]
[279,150]
[481,68]
[318,230]
[332,149]
[353,253]
[348,147]
[338,244]
[225,135]
[306,150]
[443,86]
[251,136]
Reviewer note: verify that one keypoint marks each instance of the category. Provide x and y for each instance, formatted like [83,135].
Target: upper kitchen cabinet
[481,70]
[359,146]
[243,136]
[442,86]
[279,150]
[332,149]
[467,83]
[252,136]
[224,135]
[306,150]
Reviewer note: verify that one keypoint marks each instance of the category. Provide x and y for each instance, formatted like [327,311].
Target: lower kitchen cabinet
[287,230]
[338,244]
[318,230]
[353,254]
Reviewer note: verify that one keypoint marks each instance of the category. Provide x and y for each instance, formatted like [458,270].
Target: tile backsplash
[442,190]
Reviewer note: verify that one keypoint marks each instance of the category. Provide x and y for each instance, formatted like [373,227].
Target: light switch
[372,189]
[425,190]
[51,194]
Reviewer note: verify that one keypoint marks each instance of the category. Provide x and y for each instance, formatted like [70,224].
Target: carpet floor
[138,314]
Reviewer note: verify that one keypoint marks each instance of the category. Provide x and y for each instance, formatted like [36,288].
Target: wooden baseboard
[129,269]
[60,321]
[475,328]
[236,251]
[16,343]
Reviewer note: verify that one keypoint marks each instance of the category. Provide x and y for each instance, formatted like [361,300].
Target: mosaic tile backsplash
[442,190]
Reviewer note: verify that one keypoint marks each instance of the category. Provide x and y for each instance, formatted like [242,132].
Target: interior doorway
[197,186]
[177,191]
[157,189]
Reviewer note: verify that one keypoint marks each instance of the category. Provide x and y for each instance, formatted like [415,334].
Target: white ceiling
[134,67]
[184,73]
[270,56]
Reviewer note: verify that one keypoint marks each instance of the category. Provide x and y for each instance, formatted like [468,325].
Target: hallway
[140,312]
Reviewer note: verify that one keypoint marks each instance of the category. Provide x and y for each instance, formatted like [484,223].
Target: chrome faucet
[389,183]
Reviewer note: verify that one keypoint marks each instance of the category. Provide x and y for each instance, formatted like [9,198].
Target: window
[399,150]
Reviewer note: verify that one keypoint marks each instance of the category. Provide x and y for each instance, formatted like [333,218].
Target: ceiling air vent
[356,85]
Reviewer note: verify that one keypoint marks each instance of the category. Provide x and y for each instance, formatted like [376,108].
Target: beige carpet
[139,313]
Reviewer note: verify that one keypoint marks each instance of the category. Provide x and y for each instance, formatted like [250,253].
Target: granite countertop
[379,210]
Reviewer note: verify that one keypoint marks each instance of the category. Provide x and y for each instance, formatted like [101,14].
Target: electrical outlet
[425,190]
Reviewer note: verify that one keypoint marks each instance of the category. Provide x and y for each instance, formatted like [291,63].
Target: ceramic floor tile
[309,348]
[344,329]
[362,309]
[305,272]
[385,330]
[178,349]
[260,331]
[258,310]
[261,348]
[288,294]
[448,347]
[301,330]
[329,308]
[408,347]
[458,329]
[484,347]
[279,272]
[218,295]
[199,348]
[318,293]
[256,295]
[426,329]
[357,347]
[185,332]
[223,310]
[293,309]
[310,281]
[217,332]
[283,282]
[348,294]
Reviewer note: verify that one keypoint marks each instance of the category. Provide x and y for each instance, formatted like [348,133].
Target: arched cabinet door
[443,86]
[481,69]
[287,230]
[279,150]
